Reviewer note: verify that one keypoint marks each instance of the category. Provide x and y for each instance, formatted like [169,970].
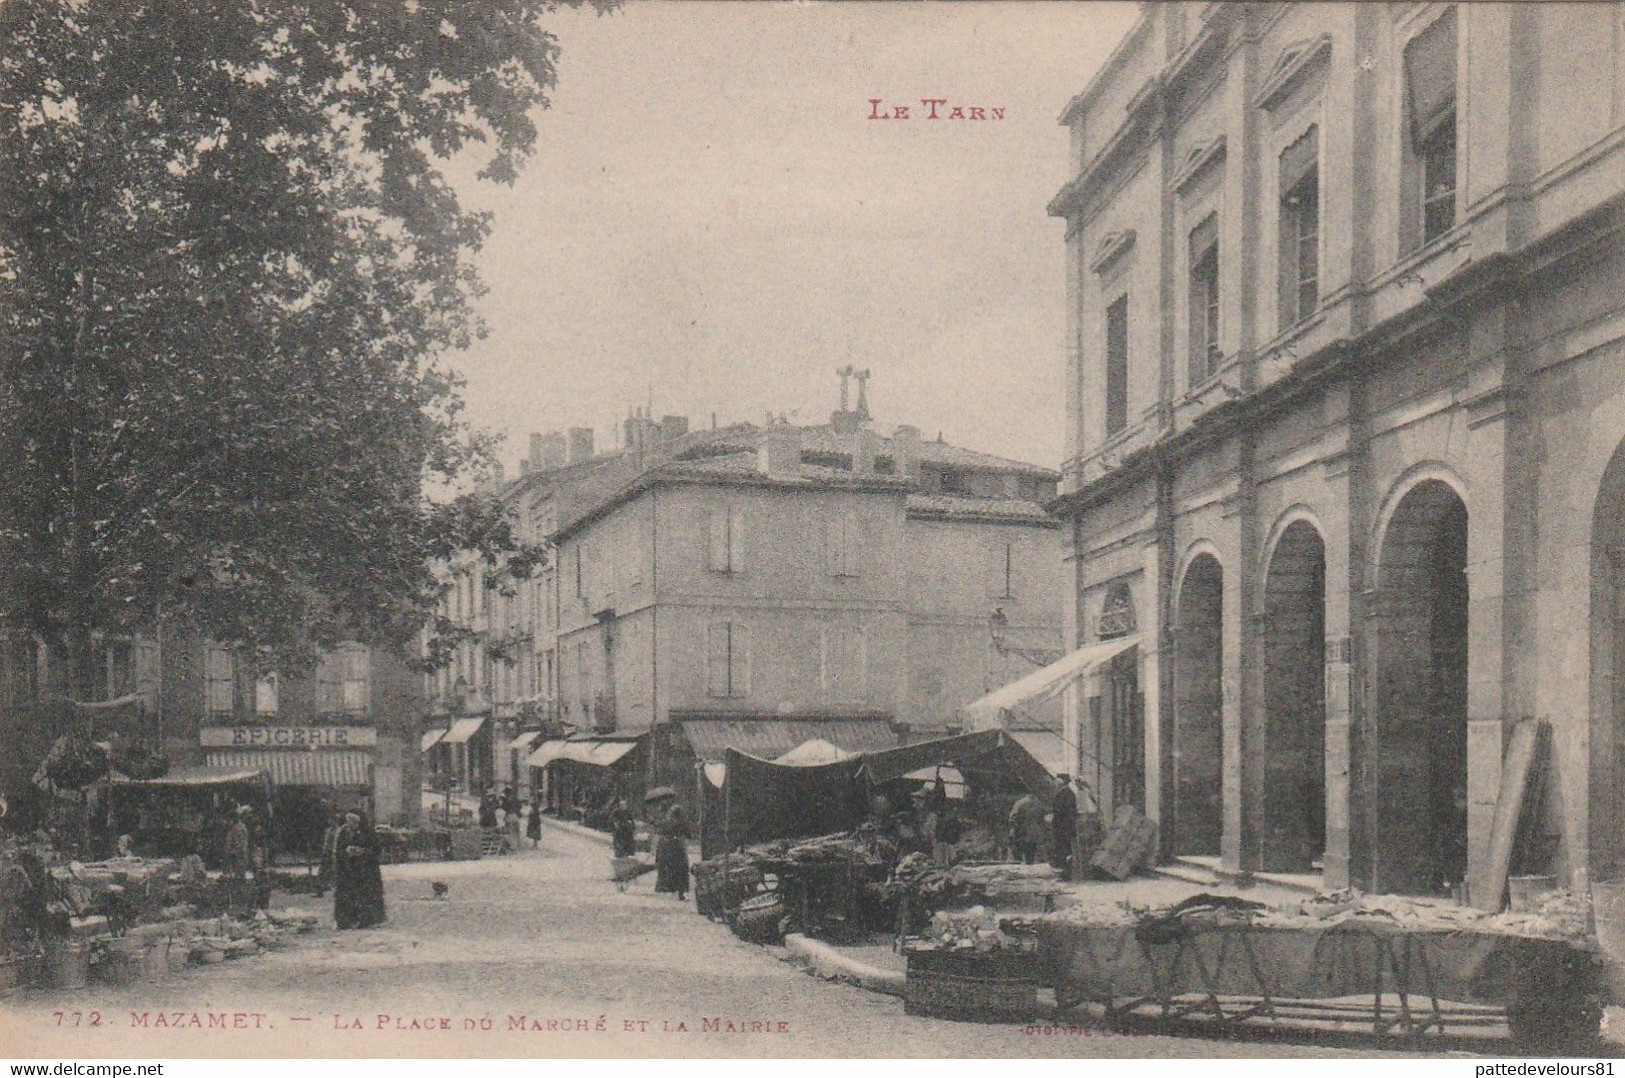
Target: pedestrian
[240,858]
[1027,828]
[623,829]
[328,873]
[671,854]
[358,894]
[488,809]
[533,826]
[1063,825]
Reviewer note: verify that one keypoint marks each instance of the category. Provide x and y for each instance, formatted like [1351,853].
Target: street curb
[579,830]
[831,964]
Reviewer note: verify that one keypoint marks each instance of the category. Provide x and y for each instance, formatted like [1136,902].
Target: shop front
[313,770]
[582,777]
[468,755]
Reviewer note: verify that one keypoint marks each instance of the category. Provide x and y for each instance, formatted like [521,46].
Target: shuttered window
[1117,365]
[1299,248]
[219,674]
[727,660]
[844,661]
[1204,300]
[727,548]
[1430,100]
[841,541]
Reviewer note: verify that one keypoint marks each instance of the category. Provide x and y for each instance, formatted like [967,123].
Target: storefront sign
[287,737]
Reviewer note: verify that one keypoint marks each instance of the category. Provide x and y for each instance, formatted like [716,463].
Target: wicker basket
[712,898]
[971,986]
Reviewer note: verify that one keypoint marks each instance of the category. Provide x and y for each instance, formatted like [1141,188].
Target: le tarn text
[932,108]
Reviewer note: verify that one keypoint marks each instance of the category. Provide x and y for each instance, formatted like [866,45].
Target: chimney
[673,427]
[580,444]
[865,447]
[546,451]
[905,453]
[778,455]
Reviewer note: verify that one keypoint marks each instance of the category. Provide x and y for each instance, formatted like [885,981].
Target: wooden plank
[1487,888]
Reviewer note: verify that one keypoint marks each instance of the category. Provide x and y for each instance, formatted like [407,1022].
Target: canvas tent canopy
[1046,682]
[595,753]
[763,800]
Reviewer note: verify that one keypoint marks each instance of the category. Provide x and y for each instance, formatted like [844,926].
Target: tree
[231,267]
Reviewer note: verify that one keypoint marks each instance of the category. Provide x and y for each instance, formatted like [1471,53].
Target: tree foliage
[231,268]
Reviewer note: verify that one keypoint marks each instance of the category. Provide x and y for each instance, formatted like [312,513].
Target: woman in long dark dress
[671,854]
[347,873]
[358,898]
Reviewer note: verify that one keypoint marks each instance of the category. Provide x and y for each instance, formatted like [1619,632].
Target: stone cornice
[1296,61]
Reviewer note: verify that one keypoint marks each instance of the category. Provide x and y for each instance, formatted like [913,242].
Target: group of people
[1033,825]
[350,862]
[503,813]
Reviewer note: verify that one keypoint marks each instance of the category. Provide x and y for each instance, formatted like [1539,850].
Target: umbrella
[659,793]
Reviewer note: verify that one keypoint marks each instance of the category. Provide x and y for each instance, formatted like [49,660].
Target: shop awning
[595,753]
[462,730]
[302,767]
[212,775]
[522,743]
[1046,682]
[431,738]
[1049,748]
[816,751]
[768,738]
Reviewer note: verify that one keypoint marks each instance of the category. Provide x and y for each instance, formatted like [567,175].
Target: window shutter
[716,664]
[329,685]
[1299,159]
[832,544]
[738,660]
[1430,75]
[719,540]
[736,538]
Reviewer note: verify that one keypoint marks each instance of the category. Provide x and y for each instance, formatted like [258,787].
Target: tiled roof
[949,505]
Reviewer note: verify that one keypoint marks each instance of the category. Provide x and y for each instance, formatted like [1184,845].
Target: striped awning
[431,738]
[462,730]
[302,767]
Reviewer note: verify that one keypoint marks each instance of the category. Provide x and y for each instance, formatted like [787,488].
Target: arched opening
[1607,765]
[1294,804]
[1420,708]
[1197,758]
[1124,706]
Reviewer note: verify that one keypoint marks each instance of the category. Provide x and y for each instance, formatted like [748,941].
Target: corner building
[1346,408]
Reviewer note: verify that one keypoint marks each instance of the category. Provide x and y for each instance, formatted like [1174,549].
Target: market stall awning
[767,738]
[462,730]
[983,751]
[1048,681]
[302,768]
[816,751]
[431,738]
[1049,748]
[523,742]
[593,752]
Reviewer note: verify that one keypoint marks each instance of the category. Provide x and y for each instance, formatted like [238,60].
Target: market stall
[1392,965]
[183,812]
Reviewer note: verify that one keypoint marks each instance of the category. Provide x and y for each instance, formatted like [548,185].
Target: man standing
[240,858]
[1027,828]
[1063,825]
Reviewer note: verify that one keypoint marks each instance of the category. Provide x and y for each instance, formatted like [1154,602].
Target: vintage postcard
[631,529]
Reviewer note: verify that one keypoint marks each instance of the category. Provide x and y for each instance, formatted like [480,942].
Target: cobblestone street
[534,945]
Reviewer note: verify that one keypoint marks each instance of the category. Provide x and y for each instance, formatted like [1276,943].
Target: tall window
[1300,229]
[1117,365]
[265,694]
[1004,570]
[844,662]
[1430,101]
[219,676]
[728,660]
[842,541]
[341,681]
[727,553]
[1204,300]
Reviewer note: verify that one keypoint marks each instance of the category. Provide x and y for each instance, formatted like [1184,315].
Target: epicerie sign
[287,737]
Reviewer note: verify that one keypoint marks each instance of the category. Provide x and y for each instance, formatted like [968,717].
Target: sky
[712,223]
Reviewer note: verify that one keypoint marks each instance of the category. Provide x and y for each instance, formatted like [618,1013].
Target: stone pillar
[1335,465]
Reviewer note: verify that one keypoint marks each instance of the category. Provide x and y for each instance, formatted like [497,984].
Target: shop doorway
[1607,777]
[1124,706]
[1197,756]
[1293,832]
[1420,702]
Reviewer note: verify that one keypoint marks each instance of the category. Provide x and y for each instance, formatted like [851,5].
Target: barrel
[67,964]
[759,919]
